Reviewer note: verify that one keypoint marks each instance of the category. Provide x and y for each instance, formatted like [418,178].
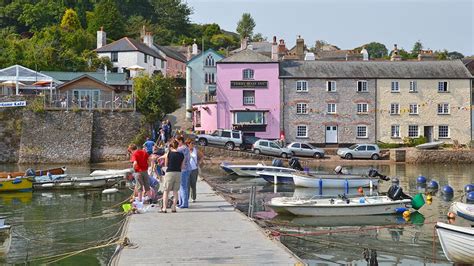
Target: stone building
[327,102]
[367,101]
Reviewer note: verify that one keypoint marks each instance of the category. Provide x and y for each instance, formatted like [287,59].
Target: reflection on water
[328,240]
[46,224]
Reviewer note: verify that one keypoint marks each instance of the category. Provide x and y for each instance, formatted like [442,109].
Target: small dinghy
[430,145]
[122,172]
[463,210]
[30,172]
[375,205]
[18,184]
[251,170]
[88,182]
[457,242]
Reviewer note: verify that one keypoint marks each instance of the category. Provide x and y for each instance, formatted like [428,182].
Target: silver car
[270,147]
[365,151]
[305,149]
[222,137]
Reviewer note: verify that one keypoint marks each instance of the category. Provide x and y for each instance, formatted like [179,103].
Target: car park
[269,147]
[365,151]
[222,137]
[305,149]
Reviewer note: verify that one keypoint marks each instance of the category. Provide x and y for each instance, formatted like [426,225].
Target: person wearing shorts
[174,161]
[139,158]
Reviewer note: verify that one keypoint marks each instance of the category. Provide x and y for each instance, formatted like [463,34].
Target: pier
[209,232]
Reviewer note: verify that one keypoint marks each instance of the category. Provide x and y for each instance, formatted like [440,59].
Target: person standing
[149,145]
[170,129]
[139,158]
[174,161]
[195,160]
[186,171]
[166,128]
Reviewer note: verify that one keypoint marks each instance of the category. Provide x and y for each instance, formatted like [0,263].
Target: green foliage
[37,105]
[412,142]
[106,14]
[246,26]
[140,137]
[172,15]
[70,20]
[259,38]
[389,145]
[455,55]
[221,40]
[417,47]
[156,96]
[375,49]
[41,14]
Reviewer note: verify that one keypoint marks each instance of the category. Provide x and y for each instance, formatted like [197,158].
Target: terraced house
[367,101]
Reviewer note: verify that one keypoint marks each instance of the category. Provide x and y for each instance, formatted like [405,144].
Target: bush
[37,105]
[389,145]
[412,142]
[140,137]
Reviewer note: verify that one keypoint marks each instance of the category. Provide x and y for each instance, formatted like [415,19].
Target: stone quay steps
[209,232]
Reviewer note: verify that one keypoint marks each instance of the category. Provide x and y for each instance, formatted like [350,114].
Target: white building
[131,55]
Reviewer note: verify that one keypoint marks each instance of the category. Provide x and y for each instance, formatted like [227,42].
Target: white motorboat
[87,182]
[333,181]
[5,236]
[463,210]
[252,169]
[374,205]
[122,172]
[457,242]
[430,145]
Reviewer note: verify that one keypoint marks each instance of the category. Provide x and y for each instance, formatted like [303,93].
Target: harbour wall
[460,156]
[65,137]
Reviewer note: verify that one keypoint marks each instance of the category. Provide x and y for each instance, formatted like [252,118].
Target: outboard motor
[374,173]
[295,164]
[277,163]
[30,172]
[338,170]
[395,192]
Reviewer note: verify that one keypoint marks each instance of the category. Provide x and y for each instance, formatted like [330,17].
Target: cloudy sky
[438,24]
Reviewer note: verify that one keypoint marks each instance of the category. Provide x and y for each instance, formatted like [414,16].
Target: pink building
[248,97]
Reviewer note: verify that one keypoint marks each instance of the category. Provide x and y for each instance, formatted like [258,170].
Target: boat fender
[400,210]
[433,185]
[17,181]
[421,179]
[448,190]
[110,191]
[470,197]
[468,188]
[47,185]
[362,200]
[406,214]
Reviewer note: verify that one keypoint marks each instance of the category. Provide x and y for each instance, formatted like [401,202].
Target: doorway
[428,133]
[331,134]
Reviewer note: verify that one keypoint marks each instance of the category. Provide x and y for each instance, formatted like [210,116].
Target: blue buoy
[421,179]
[433,185]
[470,197]
[468,188]
[447,197]
[401,210]
[447,190]
[362,200]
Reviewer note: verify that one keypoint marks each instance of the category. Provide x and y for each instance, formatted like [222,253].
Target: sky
[438,24]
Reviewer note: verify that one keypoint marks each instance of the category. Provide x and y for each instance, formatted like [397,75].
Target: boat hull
[53,171]
[464,210]
[78,183]
[251,170]
[457,242]
[377,205]
[281,178]
[19,184]
[122,172]
[334,181]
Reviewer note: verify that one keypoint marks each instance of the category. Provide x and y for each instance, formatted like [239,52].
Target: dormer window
[210,61]
[247,73]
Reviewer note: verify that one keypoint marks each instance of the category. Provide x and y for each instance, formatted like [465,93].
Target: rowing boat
[457,242]
[463,210]
[53,171]
[19,184]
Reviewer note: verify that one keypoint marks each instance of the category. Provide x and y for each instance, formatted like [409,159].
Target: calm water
[46,224]
[342,240]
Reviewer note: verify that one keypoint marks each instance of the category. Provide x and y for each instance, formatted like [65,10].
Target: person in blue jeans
[185,173]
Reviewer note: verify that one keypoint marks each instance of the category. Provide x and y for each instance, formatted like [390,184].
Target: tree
[70,20]
[455,55]
[106,14]
[375,49]
[41,14]
[172,15]
[246,26]
[417,47]
[221,41]
[156,96]
[259,37]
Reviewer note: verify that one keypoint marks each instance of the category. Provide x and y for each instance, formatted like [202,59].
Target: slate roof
[112,78]
[454,69]
[264,48]
[469,63]
[247,56]
[172,51]
[83,77]
[126,45]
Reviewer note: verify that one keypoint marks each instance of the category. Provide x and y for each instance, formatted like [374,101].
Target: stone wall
[10,131]
[415,156]
[112,133]
[56,137]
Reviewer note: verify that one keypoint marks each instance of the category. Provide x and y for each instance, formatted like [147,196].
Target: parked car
[248,142]
[222,137]
[270,147]
[305,149]
[367,151]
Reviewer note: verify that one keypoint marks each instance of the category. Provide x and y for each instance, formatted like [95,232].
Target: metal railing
[103,101]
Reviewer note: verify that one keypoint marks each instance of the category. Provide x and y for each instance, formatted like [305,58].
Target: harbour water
[48,225]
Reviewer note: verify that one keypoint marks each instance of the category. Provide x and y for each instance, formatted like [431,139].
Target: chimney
[281,49]
[148,39]
[426,55]
[300,48]
[243,43]
[309,57]
[365,54]
[142,33]
[189,55]
[101,38]
[395,54]
[195,48]
[274,49]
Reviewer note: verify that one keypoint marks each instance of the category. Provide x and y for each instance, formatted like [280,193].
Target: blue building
[201,78]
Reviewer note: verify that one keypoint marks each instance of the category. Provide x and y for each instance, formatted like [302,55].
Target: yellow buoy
[429,197]
[406,214]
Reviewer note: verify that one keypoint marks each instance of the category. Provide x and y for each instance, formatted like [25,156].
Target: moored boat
[79,183]
[430,145]
[18,184]
[463,210]
[277,178]
[251,170]
[333,181]
[122,172]
[375,205]
[457,242]
[52,171]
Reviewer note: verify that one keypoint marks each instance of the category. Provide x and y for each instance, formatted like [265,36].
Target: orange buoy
[360,190]
[451,215]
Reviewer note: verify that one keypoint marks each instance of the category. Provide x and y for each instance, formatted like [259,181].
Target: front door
[428,133]
[331,134]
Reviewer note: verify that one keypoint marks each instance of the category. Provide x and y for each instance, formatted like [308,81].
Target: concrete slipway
[209,232]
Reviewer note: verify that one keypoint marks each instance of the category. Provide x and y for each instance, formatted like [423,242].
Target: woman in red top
[139,158]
